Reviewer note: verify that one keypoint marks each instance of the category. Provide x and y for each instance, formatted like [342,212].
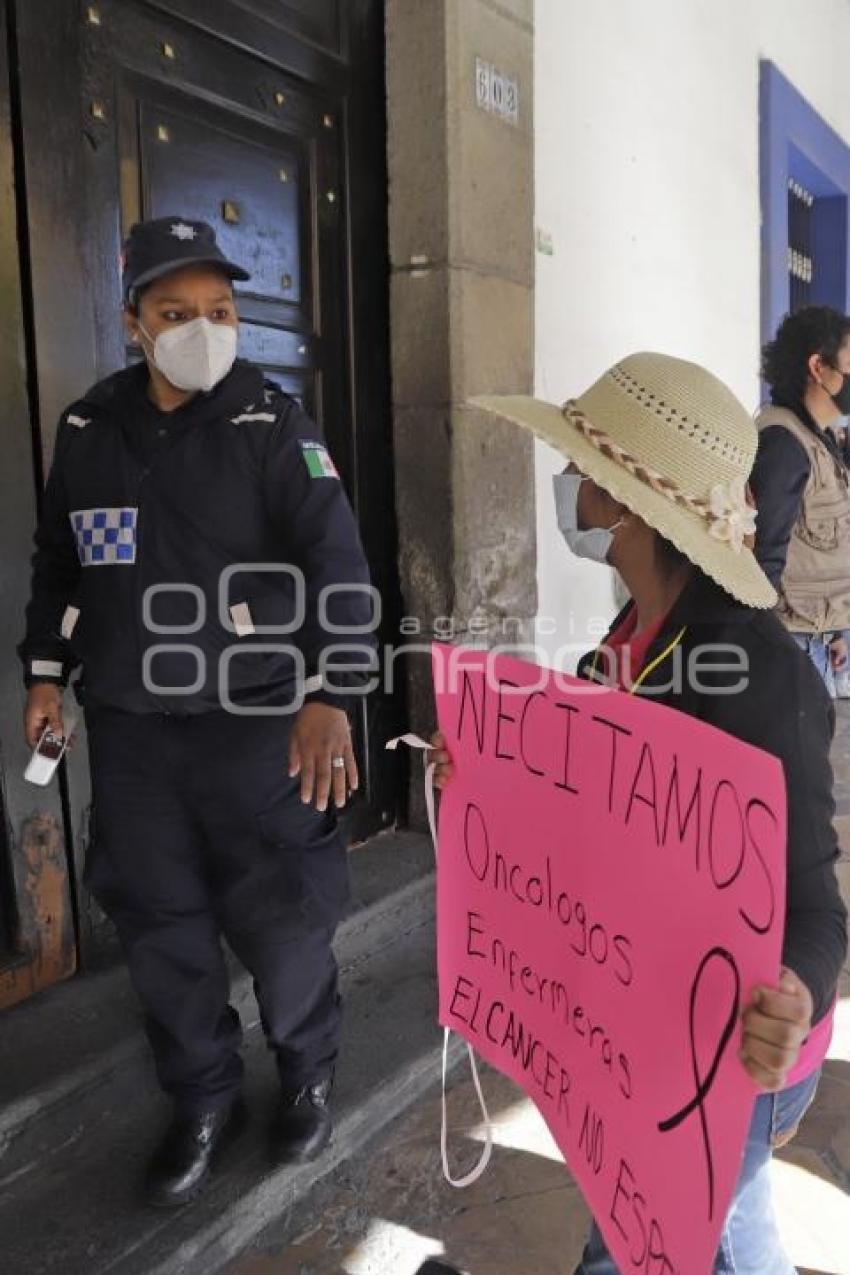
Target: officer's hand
[443,759]
[43,708]
[776,1022]
[319,734]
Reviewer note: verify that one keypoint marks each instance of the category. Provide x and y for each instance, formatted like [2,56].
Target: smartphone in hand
[47,755]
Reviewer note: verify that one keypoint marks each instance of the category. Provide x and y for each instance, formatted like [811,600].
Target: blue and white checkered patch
[105,536]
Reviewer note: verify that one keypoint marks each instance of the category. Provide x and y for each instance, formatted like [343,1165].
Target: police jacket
[198,558]
[768,695]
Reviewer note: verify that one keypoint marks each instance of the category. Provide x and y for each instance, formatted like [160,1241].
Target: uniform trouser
[198,832]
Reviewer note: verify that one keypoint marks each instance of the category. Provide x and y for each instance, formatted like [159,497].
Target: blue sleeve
[308,506]
[778,481]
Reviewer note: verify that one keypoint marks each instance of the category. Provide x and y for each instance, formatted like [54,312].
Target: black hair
[816,329]
[134,300]
[668,557]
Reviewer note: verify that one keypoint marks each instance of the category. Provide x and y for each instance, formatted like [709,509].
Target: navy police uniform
[183,560]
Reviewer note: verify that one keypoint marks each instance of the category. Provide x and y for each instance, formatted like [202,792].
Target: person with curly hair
[801,483]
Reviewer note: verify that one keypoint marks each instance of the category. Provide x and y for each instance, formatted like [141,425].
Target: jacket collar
[701,602]
[242,388]
[772,413]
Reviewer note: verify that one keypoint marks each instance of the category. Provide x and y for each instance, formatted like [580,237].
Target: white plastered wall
[647,185]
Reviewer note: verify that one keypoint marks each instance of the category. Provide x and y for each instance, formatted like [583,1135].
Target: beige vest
[814,594]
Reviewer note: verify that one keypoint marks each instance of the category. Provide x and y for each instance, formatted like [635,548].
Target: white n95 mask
[595,542]
[196,355]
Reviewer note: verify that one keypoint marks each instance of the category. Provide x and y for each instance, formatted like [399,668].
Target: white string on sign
[417,742]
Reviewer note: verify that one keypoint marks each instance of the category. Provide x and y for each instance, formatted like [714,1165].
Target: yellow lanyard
[653,664]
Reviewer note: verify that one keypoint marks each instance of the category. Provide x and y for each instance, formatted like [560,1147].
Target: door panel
[316,20]
[248,191]
[37,943]
[314,39]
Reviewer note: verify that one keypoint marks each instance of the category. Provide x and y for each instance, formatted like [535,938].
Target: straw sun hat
[669,441]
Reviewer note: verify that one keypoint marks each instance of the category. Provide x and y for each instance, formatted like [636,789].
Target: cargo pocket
[819,533]
[809,607]
[309,861]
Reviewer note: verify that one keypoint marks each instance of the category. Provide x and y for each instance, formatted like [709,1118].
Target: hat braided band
[658,482]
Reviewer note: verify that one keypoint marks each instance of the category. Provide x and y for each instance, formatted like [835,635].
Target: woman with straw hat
[660,454]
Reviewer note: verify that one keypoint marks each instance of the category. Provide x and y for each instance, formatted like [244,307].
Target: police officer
[198,557]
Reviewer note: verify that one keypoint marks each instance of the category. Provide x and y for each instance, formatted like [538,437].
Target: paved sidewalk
[387,1213]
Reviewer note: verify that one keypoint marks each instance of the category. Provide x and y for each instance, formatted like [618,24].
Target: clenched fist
[776,1022]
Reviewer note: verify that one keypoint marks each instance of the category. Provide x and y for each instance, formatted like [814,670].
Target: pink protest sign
[611,881]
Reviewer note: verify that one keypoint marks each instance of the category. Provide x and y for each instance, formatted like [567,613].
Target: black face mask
[842,398]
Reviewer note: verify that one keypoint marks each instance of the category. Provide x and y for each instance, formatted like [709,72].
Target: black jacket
[238,475]
[784,710]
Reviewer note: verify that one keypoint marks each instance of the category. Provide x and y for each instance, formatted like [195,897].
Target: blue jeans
[750,1243]
[816,647]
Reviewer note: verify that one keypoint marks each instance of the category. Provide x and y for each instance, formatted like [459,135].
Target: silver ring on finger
[338,763]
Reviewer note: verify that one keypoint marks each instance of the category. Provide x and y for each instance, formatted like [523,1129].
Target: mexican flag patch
[317,460]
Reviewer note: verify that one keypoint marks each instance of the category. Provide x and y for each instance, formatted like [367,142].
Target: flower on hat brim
[731,517]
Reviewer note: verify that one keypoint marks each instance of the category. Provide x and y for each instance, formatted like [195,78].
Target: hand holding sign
[610,882]
[442,759]
[776,1023]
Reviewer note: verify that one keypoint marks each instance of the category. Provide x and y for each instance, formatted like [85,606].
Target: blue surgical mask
[594,543]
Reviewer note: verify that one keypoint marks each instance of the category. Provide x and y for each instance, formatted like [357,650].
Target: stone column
[461,206]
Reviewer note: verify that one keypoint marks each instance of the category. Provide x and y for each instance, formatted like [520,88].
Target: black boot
[301,1128]
[436,1266]
[181,1164]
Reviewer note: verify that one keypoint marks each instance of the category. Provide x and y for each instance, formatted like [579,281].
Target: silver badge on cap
[181,231]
